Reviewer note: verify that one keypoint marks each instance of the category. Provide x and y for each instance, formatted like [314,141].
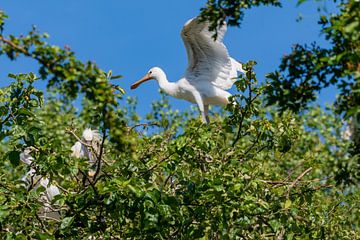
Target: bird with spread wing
[211,71]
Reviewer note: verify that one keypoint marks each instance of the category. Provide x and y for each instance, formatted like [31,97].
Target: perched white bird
[51,191]
[92,139]
[25,156]
[211,71]
[352,129]
[31,177]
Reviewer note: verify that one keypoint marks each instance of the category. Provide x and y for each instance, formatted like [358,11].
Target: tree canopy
[261,170]
[309,68]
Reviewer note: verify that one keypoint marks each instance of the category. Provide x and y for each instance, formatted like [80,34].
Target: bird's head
[153,73]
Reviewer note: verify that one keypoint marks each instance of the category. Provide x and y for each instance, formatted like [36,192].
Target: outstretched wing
[209,60]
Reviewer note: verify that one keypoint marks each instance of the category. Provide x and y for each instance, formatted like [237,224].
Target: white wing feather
[209,60]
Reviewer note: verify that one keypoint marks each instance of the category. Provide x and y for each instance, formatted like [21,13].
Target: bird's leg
[206,112]
[201,106]
[204,118]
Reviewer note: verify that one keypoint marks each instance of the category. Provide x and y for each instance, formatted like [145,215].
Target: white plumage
[210,72]
[92,140]
[30,177]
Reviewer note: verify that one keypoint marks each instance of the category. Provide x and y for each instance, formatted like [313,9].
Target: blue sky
[129,37]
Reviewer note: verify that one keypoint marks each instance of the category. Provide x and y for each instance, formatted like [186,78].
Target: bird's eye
[150,72]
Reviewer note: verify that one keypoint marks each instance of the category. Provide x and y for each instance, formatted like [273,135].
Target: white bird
[91,138]
[211,71]
[79,150]
[30,177]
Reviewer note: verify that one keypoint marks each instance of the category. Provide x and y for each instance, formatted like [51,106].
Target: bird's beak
[144,79]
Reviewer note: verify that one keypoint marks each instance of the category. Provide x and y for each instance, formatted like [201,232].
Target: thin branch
[60,187]
[42,224]
[238,135]
[249,101]
[297,180]
[143,125]
[13,45]
[312,189]
[51,218]
[157,164]
[32,184]
[281,183]
[90,182]
[167,179]
[77,138]
[101,147]
[253,145]
[6,119]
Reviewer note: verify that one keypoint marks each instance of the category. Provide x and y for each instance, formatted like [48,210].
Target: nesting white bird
[31,177]
[352,129]
[210,72]
[25,156]
[88,147]
[90,138]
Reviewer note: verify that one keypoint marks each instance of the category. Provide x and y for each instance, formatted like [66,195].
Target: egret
[90,138]
[31,176]
[80,150]
[210,72]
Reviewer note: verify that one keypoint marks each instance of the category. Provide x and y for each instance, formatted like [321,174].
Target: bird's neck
[169,88]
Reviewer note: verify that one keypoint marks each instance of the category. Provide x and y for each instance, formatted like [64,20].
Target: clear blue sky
[129,37]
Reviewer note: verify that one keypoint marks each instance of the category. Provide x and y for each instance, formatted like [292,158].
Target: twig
[60,187]
[6,119]
[143,125]
[246,108]
[101,149]
[42,224]
[312,189]
[90,182]
[77,138]
[167,179]
[253,145]
[13,45]
[334,208]
[297,180]
[285,182]
[50,218]
[239,130]
[157,164]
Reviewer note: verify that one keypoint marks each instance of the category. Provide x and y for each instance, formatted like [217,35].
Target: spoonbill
[210,72]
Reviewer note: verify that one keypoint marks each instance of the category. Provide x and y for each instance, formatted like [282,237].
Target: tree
[252,173]
[310,68]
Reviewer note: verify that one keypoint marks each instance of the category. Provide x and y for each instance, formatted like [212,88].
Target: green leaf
[66,222]
[14,157]
[116,77]
[120,89]
[135,190]
[42,236]
[24,111]
[11,75]
[109,74]
[287,203]
[32,76]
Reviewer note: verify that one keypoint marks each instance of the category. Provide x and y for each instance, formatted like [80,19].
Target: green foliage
[308,69]
[217,11]
[69,77]
[253,173]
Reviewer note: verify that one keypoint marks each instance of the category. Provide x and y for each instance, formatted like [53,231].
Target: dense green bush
[253,173]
